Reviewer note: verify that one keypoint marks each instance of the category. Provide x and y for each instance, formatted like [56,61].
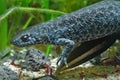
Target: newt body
[90,23]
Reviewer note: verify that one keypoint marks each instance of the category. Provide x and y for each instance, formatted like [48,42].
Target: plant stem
[27,9]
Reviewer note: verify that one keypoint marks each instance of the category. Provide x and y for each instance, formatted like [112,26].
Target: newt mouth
[20,44]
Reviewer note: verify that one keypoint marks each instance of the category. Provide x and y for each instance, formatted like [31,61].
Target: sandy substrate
[86,71]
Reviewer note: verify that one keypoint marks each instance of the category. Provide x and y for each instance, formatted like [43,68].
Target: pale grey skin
[90,23]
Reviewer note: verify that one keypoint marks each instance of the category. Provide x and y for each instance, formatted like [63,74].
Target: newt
[77,30]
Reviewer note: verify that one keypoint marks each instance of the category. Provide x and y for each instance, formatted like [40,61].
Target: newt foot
[62,60]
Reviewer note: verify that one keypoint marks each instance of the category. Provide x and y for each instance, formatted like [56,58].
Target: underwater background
[18,15]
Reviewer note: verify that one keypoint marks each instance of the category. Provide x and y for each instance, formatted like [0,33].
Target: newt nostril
[15,42]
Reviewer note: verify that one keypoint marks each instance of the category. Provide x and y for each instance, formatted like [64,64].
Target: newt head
[24,38]
[28,37]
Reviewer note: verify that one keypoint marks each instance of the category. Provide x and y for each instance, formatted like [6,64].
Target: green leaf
[3,26]
[6,55]
[48,50]
[27,23]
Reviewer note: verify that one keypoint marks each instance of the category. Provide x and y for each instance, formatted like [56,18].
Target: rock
[35,60]
[7,74]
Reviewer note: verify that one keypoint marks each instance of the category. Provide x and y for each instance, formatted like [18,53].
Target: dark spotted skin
[93,22]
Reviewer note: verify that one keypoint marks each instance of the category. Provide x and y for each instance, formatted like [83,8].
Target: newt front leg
[69,44]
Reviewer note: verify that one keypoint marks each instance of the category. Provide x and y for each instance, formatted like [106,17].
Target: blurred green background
[19,19]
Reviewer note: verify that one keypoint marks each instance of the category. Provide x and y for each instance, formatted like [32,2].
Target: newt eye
[25,38]
[43,57]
